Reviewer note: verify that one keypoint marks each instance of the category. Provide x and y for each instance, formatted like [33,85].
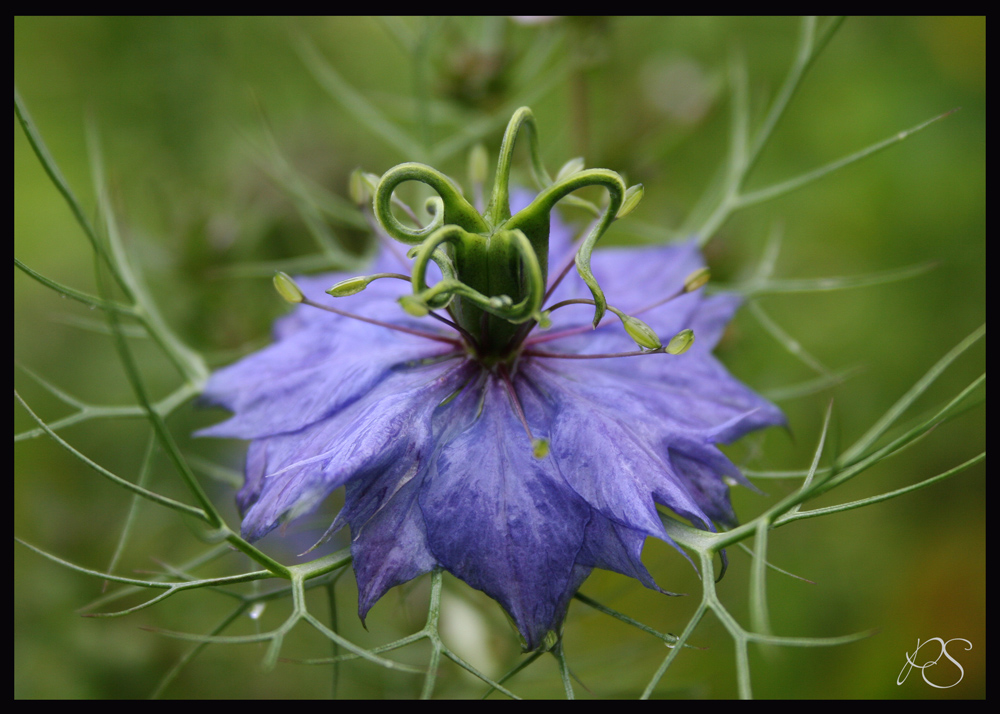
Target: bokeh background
[183,107]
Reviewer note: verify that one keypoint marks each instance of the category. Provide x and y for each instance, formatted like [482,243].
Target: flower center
[493,265]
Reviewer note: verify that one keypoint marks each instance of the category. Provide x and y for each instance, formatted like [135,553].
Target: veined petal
[635,279]
[388,538]
[703,483]
[502,520]
[390,424]
[322,364]
[612,546]
[690,392]
[612,459]
[388,533]
[439,470]
[624,440]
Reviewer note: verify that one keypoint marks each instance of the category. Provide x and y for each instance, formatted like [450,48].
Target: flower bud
[479,165]
[641,332]
[287,288]
[696,279]
[681,342]
[351,286]
[358,188]
[632,197]
[569,168]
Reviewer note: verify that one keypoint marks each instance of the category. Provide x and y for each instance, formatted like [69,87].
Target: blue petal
[388,541]
[612,546]
[390,424]
[692,391]
[611,452]
[322,364]
[438,480]
[502,520]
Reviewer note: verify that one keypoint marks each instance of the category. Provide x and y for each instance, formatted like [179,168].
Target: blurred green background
[181,107]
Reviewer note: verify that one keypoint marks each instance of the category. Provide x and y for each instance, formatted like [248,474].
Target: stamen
[357,188]
[696,279]
[692,282]
[632,197]
[352,286]
[389,325]
[387,242]
[569,332]
[571,260]
[458,328]
[638,330]
[539,447]
[573,166]
[678,345]
[287,288]
[641,333]
[606,355]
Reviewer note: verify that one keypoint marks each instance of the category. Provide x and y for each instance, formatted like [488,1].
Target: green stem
[59,181]
[68,292]
[331,598]
[431,629]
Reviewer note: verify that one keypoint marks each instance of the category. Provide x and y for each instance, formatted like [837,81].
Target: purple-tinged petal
[502,520]
[688,393]
[611,456]
[388,539]
[705,486]
[390,424]
[314,371]
[612,546]
[612,434]
[388,536]
[634,279]
[438,468]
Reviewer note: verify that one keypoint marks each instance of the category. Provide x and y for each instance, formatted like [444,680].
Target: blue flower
[519,476]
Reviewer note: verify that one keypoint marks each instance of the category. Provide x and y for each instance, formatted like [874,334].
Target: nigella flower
[514,457]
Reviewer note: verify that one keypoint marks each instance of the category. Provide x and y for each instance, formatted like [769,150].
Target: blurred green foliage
[181,106]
